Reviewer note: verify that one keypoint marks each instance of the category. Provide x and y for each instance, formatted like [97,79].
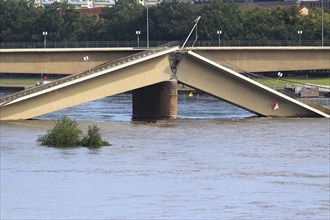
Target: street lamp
[196,20]
[322,24]
[45,36]
[138,37]
[147,3]
[219,33]
[86,59]
[300,33]
[195,26]
[279,75]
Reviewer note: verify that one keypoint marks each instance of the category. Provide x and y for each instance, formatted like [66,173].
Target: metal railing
[143,44]
[96,69]
[81,44]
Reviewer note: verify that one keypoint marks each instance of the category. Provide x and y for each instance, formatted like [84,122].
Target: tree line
[21,21]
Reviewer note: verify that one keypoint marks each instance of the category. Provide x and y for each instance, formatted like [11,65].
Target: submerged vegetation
[67,134]
[93,138]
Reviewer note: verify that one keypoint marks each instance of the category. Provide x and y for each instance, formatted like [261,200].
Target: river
[215,161]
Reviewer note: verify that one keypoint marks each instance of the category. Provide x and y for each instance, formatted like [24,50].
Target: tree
[120,22]
[65,134]
[60,20]
[89,28]
[172,20]
[94,138]
[20,20]
[16,20]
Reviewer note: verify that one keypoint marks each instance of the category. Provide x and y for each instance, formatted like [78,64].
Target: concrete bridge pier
[158,101]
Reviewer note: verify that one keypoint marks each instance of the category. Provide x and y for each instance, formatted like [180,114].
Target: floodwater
[215,162]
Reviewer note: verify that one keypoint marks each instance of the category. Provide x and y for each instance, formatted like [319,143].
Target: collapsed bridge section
[130,73]
[152,76]
[227,84]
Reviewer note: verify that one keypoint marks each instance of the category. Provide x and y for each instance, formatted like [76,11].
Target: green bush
[93,138]
[67,134]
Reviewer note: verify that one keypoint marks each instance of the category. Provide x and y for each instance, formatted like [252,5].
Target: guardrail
[143,44]
[108,65]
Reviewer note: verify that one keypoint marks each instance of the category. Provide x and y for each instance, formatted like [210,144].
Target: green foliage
[170,20]
[121,22]
[94,138]
[17,18]
[67,134]
[60,20]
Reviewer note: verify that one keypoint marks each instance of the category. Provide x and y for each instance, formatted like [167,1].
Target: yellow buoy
[190,94]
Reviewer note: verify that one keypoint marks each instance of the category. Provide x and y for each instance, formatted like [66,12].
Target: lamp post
[138,37]
[195,26]
[279,75]
[146,1]
[45,38]
[86,59]
[219,32]
[300,33]
[196,37]
[322,25]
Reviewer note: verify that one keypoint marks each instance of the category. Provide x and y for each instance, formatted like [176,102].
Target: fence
[143,44]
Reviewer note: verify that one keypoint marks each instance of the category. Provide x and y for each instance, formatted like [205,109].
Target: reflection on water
[214,162]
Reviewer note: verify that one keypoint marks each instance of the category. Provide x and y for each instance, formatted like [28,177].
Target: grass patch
[288,81]
[18,82]
[25,82]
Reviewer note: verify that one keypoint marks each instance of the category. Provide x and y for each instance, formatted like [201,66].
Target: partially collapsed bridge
[152,77]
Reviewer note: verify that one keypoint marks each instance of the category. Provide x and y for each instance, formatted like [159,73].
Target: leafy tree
[94,138]
[260,25]
[220,15]
[60,20]
[65,134]
[16,19]
[172,20]
[20,20]
[311,25]
[89,28]
[120,22]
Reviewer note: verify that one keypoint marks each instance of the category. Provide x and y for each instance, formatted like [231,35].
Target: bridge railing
[143,44]
[96,69]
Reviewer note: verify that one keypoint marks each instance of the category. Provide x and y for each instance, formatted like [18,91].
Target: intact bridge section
[251,59]
[152,76]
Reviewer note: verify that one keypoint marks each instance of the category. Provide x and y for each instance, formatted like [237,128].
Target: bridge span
[251,59]
[152,76]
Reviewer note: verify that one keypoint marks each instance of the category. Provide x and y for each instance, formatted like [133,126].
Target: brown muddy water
[215,162]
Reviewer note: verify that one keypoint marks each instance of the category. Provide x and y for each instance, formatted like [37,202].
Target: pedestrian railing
[152,44]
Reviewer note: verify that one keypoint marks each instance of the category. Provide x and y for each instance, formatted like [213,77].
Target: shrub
[67,134]
[93,138]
